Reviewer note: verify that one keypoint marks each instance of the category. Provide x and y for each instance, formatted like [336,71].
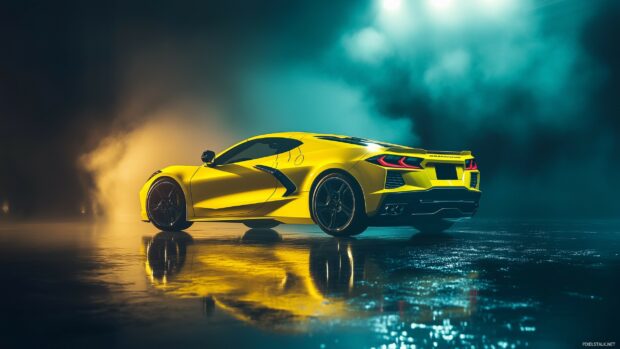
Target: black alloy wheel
[337,205]
[165,206]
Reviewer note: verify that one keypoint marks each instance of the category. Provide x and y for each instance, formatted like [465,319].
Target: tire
[261,224]
[337,205]
[432,225]
[165,206]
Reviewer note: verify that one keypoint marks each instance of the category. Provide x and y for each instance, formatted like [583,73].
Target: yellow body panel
[239,191]
[233,189]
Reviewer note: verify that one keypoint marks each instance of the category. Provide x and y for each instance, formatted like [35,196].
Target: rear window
[353,140]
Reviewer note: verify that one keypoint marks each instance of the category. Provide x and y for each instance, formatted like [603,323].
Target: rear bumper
[441,202]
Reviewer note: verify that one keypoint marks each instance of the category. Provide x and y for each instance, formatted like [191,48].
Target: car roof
[299,135]
[295,135]
[351,140]
[317,136]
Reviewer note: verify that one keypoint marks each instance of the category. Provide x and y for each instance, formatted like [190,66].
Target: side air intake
[473,182]
[394,179]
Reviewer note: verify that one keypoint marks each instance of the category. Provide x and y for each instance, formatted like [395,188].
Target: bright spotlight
[391,5]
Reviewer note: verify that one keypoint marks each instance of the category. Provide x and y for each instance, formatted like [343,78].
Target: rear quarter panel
[321,156]
[303,167]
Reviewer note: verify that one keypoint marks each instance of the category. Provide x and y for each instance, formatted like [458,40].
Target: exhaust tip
[393,209]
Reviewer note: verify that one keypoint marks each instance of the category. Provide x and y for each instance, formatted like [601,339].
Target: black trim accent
[278,145]
[281,177]
[445,171]
[153,174]
[352,140]
[473,180]
[394,179]
[443,202]
[449,152]
[245,220]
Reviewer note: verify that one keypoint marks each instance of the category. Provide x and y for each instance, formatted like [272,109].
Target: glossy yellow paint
[213,194]
[248,279]
[267,282]
[233,189]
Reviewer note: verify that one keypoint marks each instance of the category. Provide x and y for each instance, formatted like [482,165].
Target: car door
[290,171]
[233,185]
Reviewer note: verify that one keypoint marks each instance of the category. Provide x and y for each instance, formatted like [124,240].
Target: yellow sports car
[343,184]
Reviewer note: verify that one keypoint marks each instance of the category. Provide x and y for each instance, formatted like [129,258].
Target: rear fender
[329,158]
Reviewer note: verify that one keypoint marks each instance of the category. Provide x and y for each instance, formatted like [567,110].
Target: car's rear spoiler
[461,152]
[422,151]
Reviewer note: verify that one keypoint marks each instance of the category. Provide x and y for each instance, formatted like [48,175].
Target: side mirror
[207,156]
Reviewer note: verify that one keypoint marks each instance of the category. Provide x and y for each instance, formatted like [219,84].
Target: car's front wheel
[337,205]
[165,206]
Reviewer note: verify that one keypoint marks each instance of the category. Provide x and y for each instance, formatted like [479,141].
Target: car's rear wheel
[337,205]
[432,225]
[261,224]
[165,205]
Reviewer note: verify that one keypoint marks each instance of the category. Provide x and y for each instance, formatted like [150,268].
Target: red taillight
[381,161]
[396,161]
[471,164]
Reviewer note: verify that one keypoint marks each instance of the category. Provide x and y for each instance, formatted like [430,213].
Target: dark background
[531,87]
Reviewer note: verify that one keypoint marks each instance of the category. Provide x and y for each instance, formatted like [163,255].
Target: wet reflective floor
[496,284]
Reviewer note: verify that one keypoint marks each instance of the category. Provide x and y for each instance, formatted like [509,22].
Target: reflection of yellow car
[343,184]
[285,285]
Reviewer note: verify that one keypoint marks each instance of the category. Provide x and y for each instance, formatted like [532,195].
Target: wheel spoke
[341,188]
[324,189]
[321,210]
[346,209]
[157,206]
[332,219]
[169,217]
[344,215]
[328,186]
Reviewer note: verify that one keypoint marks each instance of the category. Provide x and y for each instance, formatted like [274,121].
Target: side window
[257,148]
[286,144]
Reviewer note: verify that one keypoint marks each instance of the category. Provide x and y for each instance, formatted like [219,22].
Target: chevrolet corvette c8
[343,184]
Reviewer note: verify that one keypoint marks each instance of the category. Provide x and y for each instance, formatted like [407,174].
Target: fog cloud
[529,86]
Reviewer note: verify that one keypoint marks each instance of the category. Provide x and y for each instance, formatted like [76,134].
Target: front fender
[182,175]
